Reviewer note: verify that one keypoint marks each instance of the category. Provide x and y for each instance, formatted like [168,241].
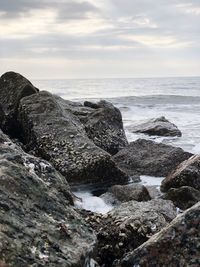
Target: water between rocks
[88,200]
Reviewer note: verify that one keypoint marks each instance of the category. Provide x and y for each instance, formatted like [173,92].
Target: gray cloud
[68,9]
[139,31]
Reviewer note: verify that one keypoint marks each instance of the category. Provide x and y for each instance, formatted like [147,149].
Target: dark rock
[175,245]
[38,225]
[186,174]
[129,225]
[159,126]
[57,135]
[104,127]
[13,87]
[183,197]
[126,193]
[2,117]
[91,105]
[102,121]
[144,157]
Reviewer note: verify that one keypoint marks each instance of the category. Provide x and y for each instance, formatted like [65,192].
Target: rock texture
[144,157]
[183,197]
[38,225]
[186,174]
[127,193]
[57,135]
[128,226]
[102,122]
[176,245]
[13,87]
[105,127]
[159,126]
[2,117]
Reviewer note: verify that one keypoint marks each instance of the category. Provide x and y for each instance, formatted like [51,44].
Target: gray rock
[144,157]
[105,127]
[183,197]
[102,121]
[128,226]
[186,174]
[13,87]
[110,199]
[57,135]
[127,193]
[175,245]
[154,191]
[38,224]
[159,126]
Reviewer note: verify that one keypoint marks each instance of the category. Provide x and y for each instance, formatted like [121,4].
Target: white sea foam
[92,203]
[151,180]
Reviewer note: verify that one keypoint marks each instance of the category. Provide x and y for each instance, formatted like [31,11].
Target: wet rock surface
[186,174]
[175,245]
[183,197]
[159,126]
[58,135]
[144,157]
[128,226]
[127,193]
[38,224]
[13,87]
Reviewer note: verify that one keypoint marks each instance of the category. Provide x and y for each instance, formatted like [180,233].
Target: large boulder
[57,135]
[183,197]
[13,87]
[145,157]
[159,126]
[105,127]
[102,121]
[38,224]
[186,174]
[125,193]
[128,226]
[175,245]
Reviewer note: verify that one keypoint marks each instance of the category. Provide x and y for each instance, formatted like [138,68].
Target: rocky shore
[48,145]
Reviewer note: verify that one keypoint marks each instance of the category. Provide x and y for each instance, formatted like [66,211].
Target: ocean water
[178,99]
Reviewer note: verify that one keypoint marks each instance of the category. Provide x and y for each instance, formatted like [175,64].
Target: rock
[175,245]
[13,87]
[127,193]
[110,199]
[57,135]
[102,121]
[128,226]
[183,197]
[104,127]
[186,174]
[154,191]
[38,224]
[2,117]
[144,157]
[159,126]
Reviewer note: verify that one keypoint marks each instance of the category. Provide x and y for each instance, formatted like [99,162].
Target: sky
[53,39]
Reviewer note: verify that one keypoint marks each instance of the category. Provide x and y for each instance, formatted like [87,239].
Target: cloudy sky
[100,38]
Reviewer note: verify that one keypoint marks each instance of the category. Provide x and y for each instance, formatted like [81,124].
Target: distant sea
[178,99]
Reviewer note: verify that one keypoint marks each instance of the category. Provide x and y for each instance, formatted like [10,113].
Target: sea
[139,99]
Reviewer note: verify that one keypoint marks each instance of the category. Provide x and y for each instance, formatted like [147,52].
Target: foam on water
[151,180]
[92,203]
